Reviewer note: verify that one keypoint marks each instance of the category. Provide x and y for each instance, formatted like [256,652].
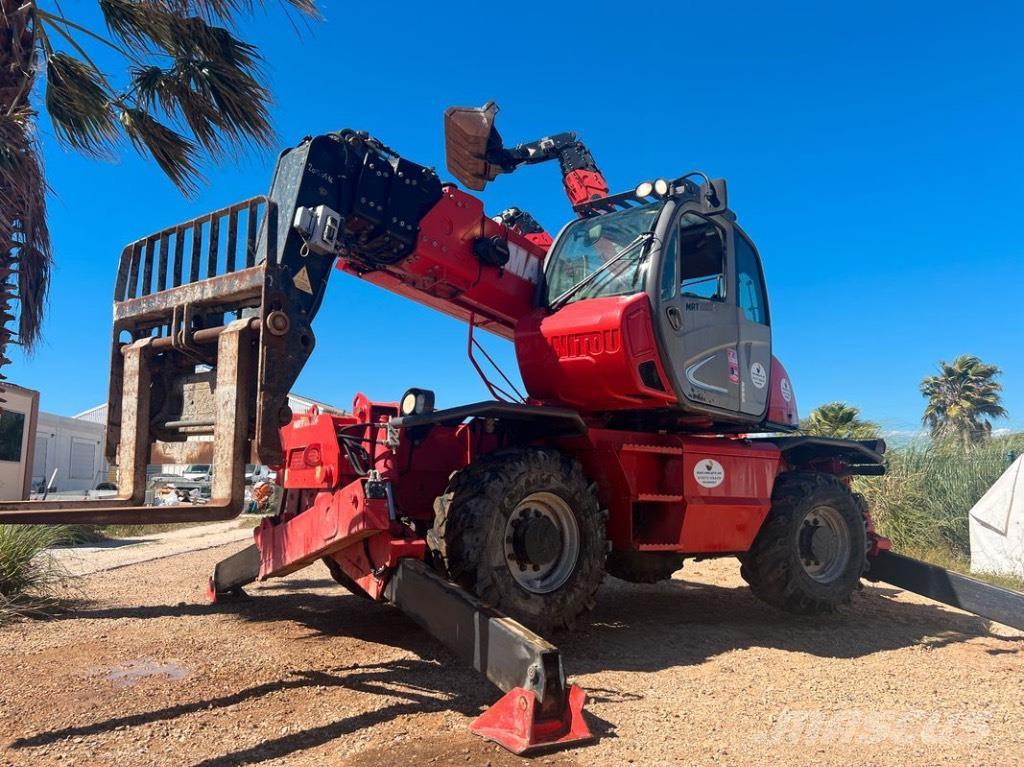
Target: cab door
[755,335]
[697,315]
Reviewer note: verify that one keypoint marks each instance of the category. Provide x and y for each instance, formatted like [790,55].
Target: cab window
[702,259]
[750,282]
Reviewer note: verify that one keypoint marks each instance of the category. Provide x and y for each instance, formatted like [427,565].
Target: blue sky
[873,152]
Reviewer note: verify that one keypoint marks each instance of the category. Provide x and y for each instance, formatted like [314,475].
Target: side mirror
[470,140]
[714,196]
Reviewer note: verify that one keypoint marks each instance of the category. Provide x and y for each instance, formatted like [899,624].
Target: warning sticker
[734,366]
[708,472]
[757,375]
[787,389]
[301,281]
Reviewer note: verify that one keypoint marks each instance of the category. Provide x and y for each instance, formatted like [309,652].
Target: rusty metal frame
[237,358]
[169,316]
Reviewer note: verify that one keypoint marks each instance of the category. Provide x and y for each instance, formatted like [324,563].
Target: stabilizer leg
[961,591]
[231,574]
[539,711]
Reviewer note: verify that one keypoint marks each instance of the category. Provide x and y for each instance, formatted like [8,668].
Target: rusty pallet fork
[211,357]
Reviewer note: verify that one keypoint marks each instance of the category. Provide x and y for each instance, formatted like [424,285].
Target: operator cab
[703,278]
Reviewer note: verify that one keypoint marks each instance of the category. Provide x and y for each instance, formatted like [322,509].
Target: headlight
[644,189]
[660,187]
[416,402]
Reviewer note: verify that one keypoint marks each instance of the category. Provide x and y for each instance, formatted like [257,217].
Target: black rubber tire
[468,536]
[773,567]
[343,578]
[643,566]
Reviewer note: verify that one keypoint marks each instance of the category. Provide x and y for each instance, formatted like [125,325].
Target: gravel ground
[120,552]
[141,671]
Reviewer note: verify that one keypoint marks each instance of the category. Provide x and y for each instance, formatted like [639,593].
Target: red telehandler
[656,423]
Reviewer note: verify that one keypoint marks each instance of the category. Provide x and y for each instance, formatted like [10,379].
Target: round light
[409,403]
[416,402]
[661,187]
[644,189]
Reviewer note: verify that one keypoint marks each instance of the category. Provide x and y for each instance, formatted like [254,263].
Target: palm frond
[24,237]
[171,90]
[174,153]
[134,23]
[226,9]
[79,106]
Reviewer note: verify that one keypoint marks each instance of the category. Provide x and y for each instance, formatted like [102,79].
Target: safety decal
[708,472]
[734,366]
[787,389]
[301,281]
[757,375]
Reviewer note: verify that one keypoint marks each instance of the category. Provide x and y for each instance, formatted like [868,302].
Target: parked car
[255,473]
[197,472]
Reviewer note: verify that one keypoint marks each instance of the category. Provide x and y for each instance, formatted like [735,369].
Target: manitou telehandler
[656,424]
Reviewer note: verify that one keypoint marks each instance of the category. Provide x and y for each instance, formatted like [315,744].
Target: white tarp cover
[997,525]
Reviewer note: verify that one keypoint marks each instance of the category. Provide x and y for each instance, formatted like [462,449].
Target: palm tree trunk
[24,239]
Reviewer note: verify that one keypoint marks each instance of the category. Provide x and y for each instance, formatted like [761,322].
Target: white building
[70,450]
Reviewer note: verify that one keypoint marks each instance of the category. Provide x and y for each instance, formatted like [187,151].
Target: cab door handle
[675,317]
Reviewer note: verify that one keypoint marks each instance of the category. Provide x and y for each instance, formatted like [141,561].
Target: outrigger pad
[513,722]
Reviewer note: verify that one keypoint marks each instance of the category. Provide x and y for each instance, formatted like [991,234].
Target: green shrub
[923,500]
[27,573]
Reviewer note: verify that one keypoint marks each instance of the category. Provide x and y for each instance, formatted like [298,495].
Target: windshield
[587,245]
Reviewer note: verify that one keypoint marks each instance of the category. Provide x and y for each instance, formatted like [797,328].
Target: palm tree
[962,399]
[839,420]
[188,89]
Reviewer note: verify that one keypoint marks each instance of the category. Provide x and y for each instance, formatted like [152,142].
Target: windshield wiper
[560,300]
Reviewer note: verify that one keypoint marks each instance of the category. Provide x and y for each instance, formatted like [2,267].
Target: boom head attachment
[472,143]
[476,154]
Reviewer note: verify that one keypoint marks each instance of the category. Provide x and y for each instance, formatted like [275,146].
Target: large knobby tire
[643,566]
[811,550]
[511,509]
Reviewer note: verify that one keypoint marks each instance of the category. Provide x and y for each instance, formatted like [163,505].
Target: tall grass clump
[28,574]
[922,501]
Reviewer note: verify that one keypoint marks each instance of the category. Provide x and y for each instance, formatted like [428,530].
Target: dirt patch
[685,672]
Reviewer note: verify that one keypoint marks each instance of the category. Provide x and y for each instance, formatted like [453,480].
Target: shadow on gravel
[419,686]
[676,623]
[634,628]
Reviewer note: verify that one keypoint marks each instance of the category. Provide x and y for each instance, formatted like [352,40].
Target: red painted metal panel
[782,408]
[587,355]
[667,492]
[515,722]
[444,273]
[334,521]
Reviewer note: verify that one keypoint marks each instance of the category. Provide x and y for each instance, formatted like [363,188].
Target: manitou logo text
[587,344]
[522,263]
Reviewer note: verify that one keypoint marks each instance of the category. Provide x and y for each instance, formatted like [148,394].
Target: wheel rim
[824,544]
[542,543]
